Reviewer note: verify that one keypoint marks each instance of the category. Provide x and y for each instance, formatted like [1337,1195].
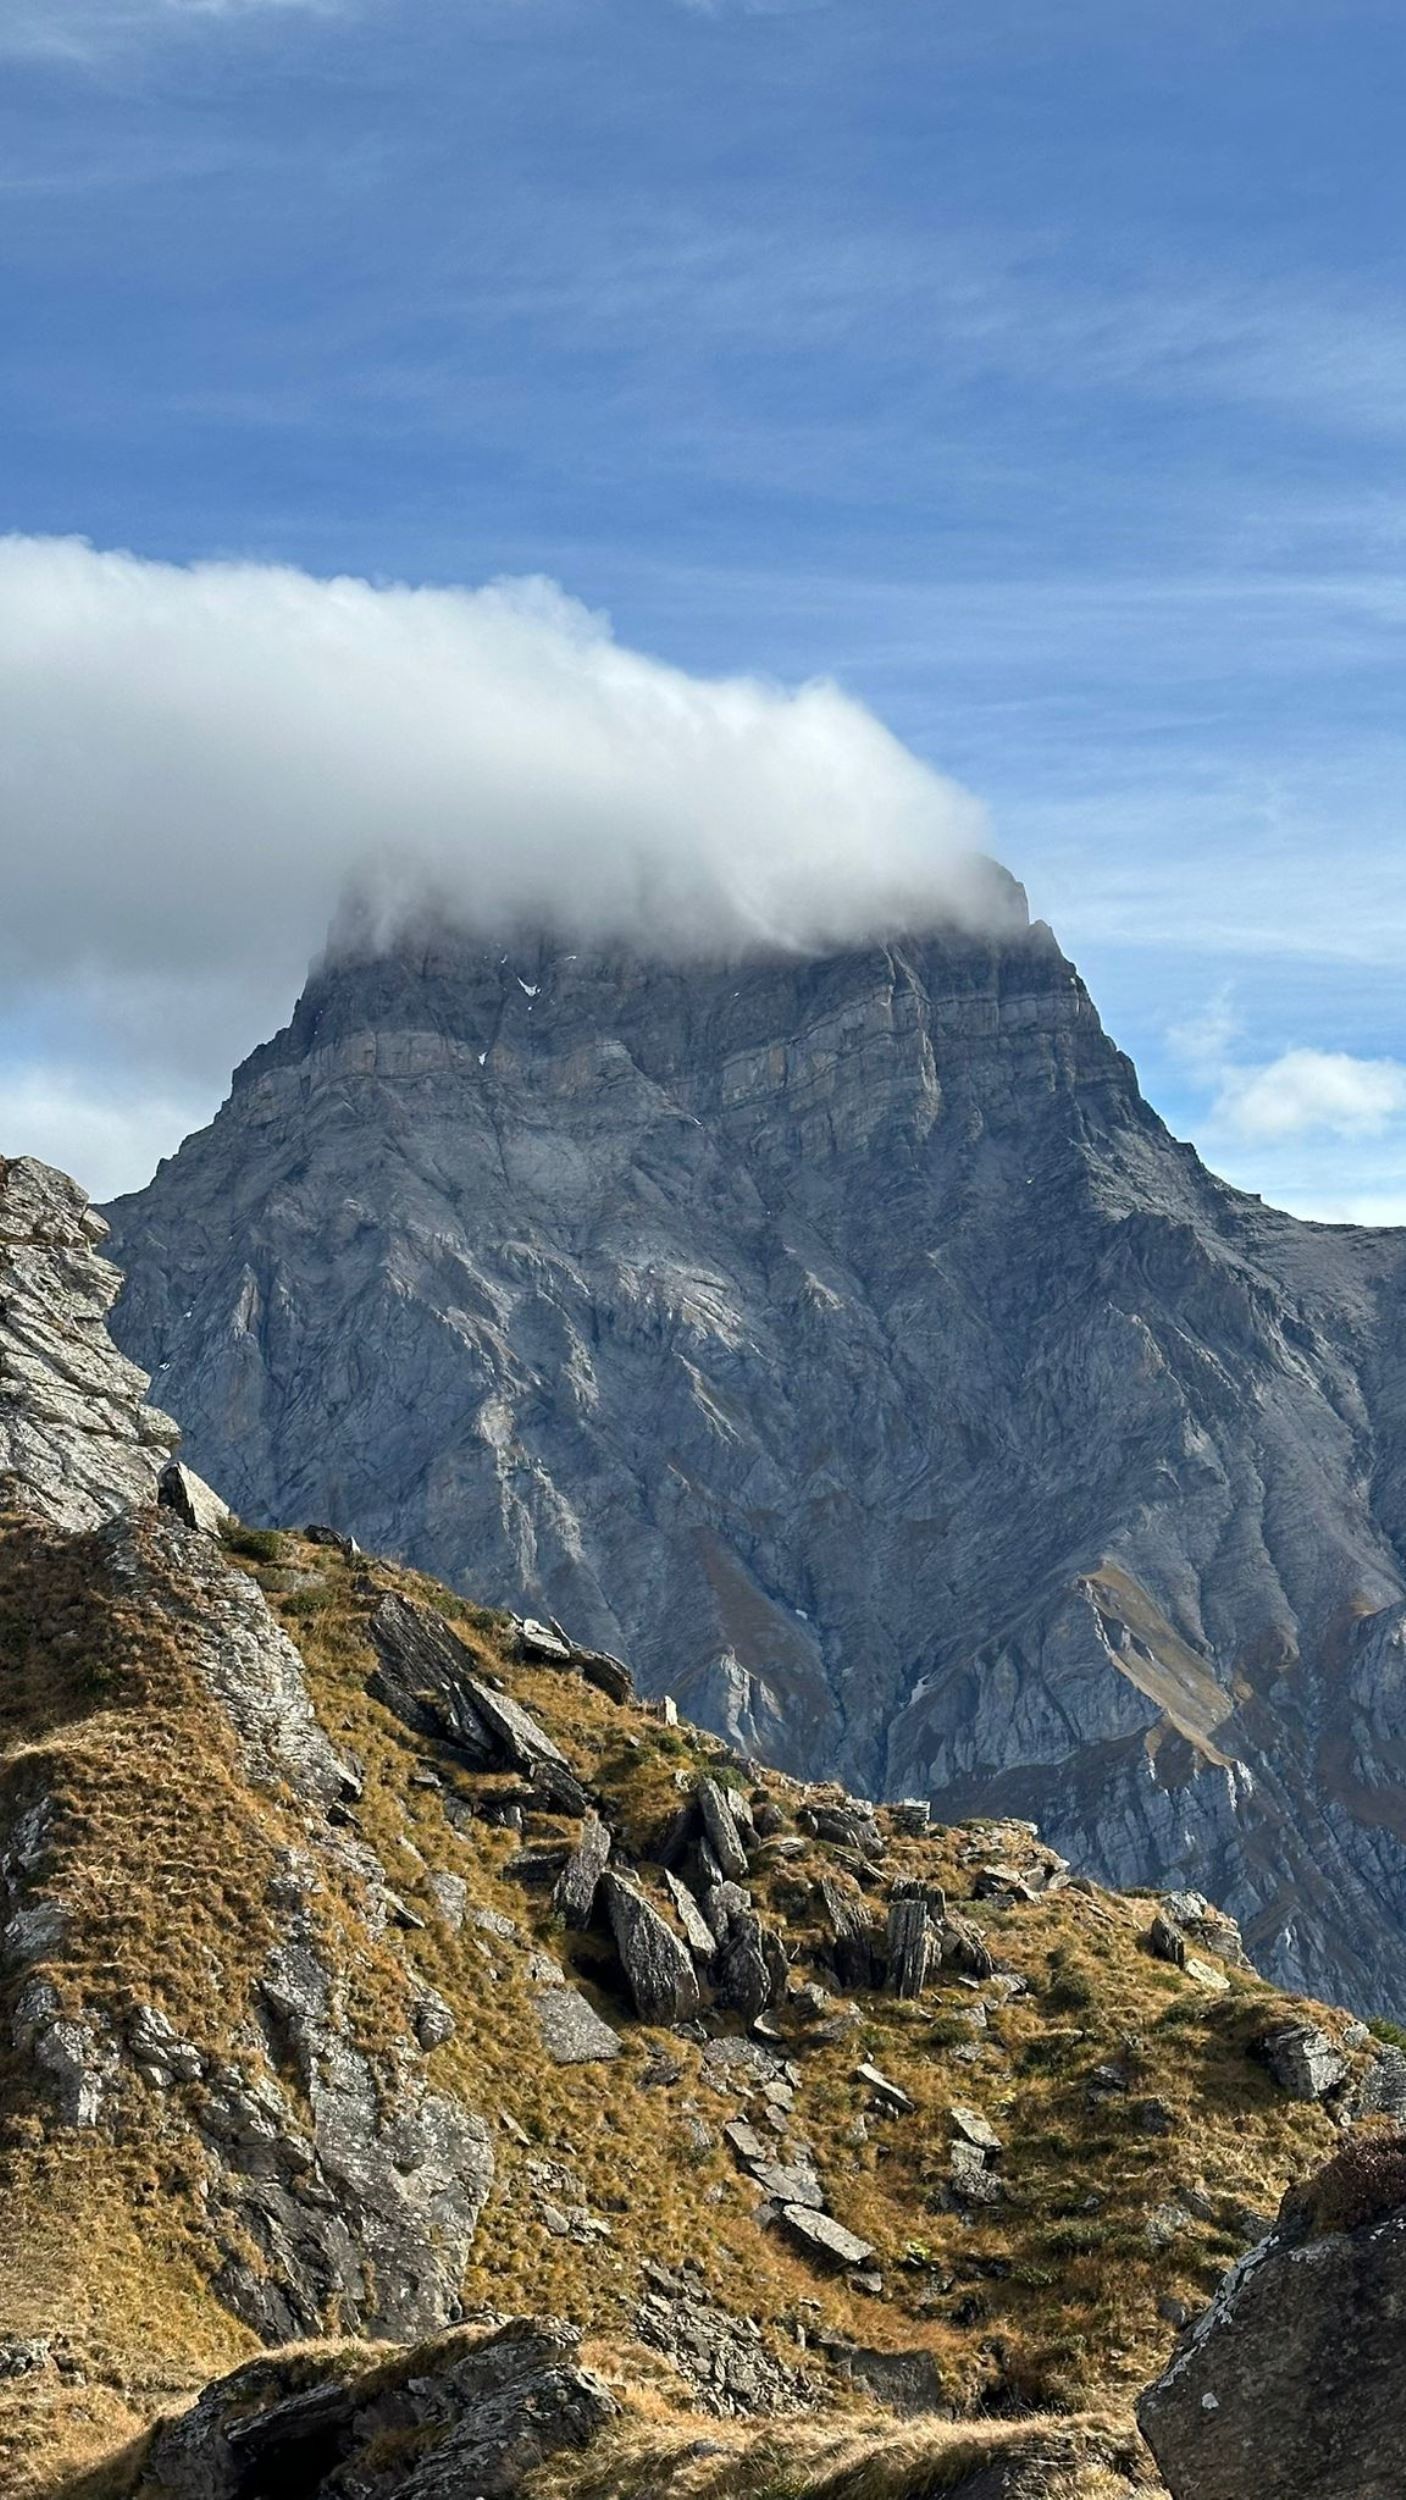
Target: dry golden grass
[1050,2297]
[164,1853]
[867,2456]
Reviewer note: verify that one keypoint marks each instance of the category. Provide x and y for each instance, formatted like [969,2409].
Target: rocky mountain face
[847,1343]
[75,1434]
[425,2070]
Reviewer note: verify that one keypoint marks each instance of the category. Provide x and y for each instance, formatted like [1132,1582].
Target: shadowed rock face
[1291,2384]
[847,1343]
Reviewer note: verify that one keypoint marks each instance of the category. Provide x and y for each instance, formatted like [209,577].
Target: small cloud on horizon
[1306,1090]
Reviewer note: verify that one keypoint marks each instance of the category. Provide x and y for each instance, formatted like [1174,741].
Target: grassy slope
[1051,2298]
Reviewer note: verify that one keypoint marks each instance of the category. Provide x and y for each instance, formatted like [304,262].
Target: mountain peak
[843,1338]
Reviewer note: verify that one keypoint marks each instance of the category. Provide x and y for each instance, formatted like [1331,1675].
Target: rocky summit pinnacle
[846,1342]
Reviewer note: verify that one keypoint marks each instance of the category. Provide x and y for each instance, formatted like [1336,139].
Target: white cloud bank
[1306,1090]
[198,763]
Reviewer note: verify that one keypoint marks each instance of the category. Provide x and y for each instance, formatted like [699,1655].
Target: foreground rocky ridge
[848,1343]
[374,1965]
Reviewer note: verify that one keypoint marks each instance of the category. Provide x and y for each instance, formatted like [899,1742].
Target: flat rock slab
[891,2093]
[825,2238]
[975,2129]
[787,2184]
[746,2143]
[572,2031]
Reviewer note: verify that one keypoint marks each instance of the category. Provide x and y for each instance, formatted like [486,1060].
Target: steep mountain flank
[375,1966]
[847,1342]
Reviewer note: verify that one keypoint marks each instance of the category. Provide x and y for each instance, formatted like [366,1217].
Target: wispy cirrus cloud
[80,31]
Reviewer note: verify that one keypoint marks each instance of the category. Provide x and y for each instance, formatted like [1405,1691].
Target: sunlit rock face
[847,1343]
[77,1440]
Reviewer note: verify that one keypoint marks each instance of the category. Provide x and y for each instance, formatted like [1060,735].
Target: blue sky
[1035,368]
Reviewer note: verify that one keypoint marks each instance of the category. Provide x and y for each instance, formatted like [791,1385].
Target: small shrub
[1392,2035]
[1362,2183]
[311,1601]
[1071,1989]
[263,1545]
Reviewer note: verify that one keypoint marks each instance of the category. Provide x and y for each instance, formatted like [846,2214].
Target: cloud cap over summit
[207,755]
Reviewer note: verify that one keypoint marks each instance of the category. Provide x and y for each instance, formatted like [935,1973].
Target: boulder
[723,1905]
[909,1816]
[1381,2092]
[609,1675]
[180,1489]
[1304,2062]
[574,1894]
[527,1747]
[424,1676]
[788,2183]
[975,2130]
[1202,1923]
[572,2031]
[540,1646]
[972,2182]
[850,1826]
[701,1937]
[821,2236]
[657,1965]
[1166,1941]
[751,1970]
[431,2020]
[965,1949]
[844,1914]
[720,1825]
[474,2412]
[1291,2385]
[892,2095]
[318,1533]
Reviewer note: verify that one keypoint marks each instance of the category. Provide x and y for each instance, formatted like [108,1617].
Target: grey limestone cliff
[76,1437]
[847,1343]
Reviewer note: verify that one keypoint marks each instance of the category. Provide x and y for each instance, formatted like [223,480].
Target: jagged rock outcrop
[846,1343]
[1291,2384]
[474,2413]
[77,1441]
[336,2183]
